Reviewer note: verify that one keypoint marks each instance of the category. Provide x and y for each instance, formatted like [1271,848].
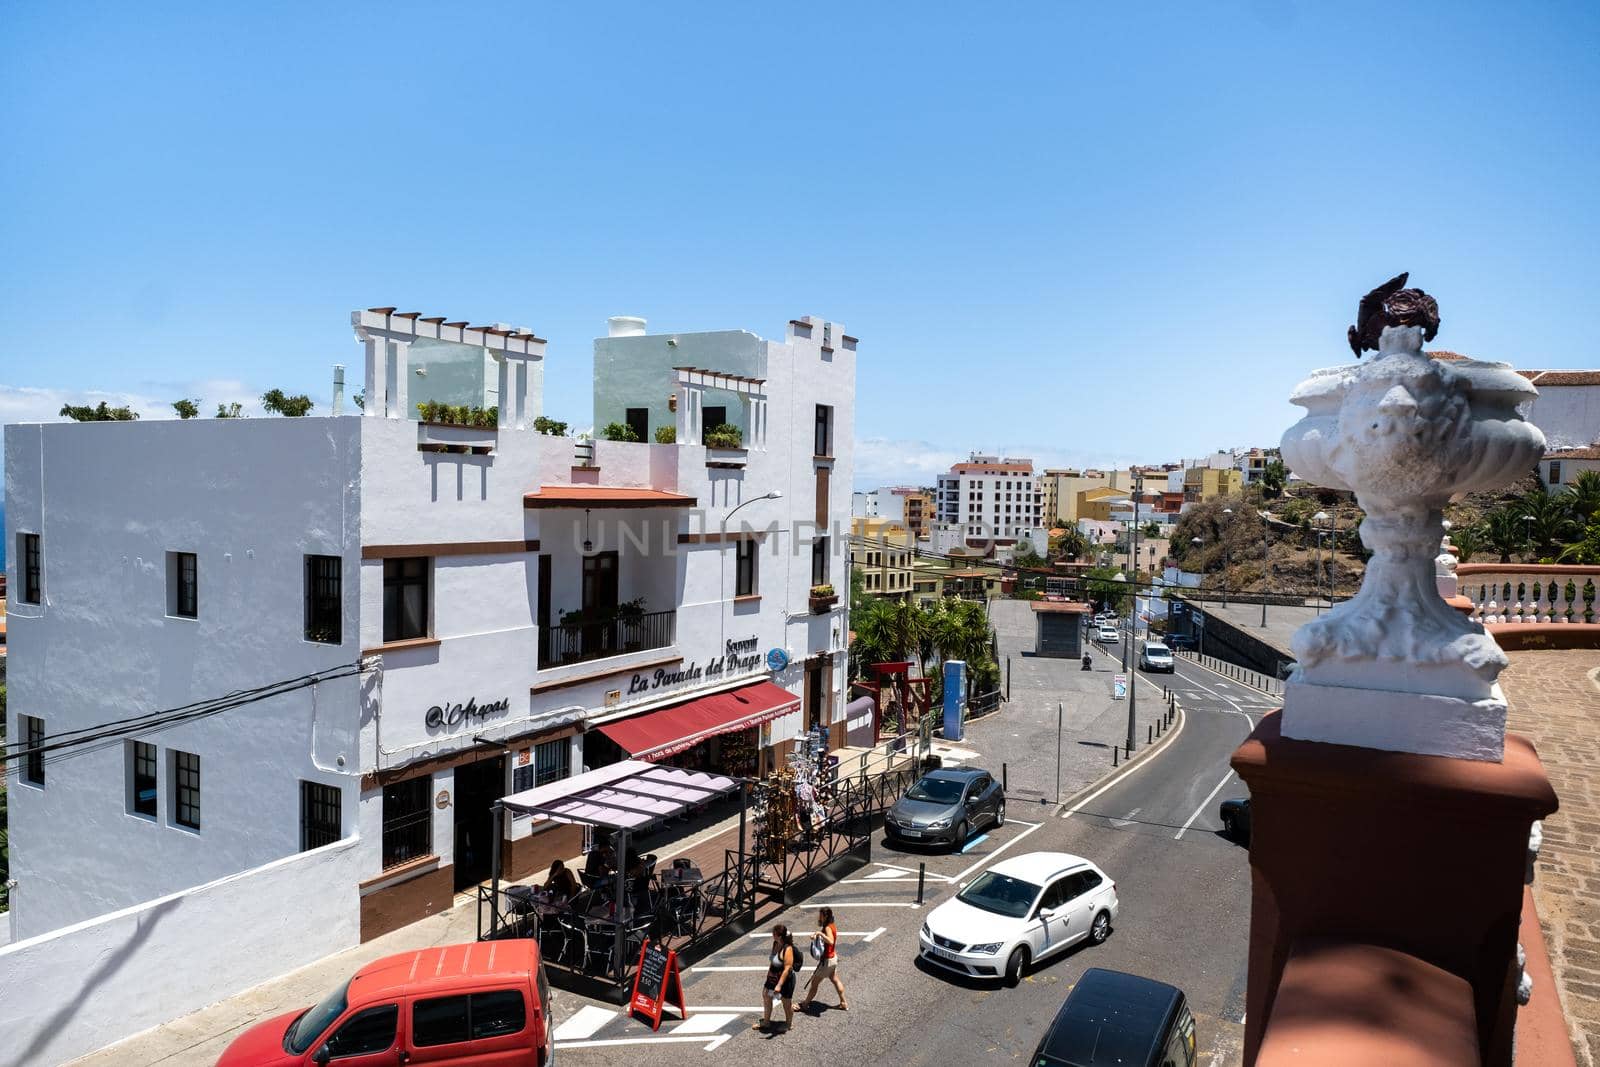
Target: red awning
[658,734]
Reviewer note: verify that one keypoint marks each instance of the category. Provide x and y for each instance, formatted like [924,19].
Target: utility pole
[1133,612]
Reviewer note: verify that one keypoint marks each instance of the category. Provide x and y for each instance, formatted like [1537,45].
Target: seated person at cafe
[601,861]
[561,883]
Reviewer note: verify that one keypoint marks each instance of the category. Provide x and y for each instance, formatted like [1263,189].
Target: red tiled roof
[1446,355]
[1586,452]
[600,496]
[1567,377]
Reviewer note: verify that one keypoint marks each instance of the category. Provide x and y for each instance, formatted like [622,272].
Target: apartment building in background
[883,551]
[906,505]
[986,505]
[418,617]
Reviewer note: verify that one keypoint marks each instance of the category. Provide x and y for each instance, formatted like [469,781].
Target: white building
[421,617]
[987,505]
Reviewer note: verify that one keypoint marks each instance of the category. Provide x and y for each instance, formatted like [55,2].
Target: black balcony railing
[579,641]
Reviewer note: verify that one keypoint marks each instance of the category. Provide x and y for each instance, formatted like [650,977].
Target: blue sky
[1058,231]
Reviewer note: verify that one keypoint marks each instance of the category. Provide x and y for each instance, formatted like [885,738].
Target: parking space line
[974,843]
[867,903]
[1031,827]
[865,935]
[696,968]
[585,1022]
[705,1022]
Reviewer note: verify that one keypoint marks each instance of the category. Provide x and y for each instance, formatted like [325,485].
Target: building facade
[882,550]
[910,507]
[331,627]
[989,503]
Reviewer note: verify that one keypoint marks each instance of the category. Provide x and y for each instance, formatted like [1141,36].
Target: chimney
[338,388]
[625,326]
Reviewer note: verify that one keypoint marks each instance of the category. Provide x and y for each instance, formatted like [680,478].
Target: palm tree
[1072,543]
[1583,496]
[1504,531]
[1552,523]
[1468,541]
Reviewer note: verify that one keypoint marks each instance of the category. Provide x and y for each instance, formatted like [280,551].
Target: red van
[485,1003]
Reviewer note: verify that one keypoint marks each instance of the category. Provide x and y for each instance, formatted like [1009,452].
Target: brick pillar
[1421,854]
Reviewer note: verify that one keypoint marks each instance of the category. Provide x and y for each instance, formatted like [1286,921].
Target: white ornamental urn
[1395,667]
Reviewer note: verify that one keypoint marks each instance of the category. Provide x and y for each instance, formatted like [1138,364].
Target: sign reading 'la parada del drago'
[736,656]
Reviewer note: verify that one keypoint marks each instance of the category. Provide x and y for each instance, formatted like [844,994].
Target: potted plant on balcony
[724,435]
[822,598]
[630,621]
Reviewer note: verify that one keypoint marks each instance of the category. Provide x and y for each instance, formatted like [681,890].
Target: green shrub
[619,431]
[725,435]
[550,427]
[666,435]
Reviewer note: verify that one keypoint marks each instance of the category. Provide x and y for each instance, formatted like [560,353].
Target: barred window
[324,596]
[407,822]
[552,761]
[186,789]
[319,815]
[142,779]
[183,584]
[33,734]
[32,568]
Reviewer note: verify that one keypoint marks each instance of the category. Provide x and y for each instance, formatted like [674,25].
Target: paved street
[1184,894]
[1185,910]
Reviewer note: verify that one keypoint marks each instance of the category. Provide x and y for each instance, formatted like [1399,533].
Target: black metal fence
[579,641]
[726,905]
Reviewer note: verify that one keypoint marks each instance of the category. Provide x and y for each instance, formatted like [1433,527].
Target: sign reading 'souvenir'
[443,715]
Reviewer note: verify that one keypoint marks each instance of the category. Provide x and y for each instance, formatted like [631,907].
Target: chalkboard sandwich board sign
[655,983]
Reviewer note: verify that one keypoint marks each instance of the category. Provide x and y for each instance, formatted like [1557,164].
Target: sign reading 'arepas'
[443,716]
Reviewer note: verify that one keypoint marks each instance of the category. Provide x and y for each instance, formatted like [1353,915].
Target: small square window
[405,598]
[186,789]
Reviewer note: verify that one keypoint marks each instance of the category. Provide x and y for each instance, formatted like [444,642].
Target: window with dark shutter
[745,566]
[32,568]
[405,598]
[324,594]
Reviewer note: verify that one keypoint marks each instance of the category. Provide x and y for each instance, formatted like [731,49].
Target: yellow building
[1096,503]
[881,550]
[1207,483]
[1061,490]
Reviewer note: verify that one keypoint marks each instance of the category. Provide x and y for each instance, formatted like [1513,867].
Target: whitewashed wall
[85,986]
[1569,415]
[251,497]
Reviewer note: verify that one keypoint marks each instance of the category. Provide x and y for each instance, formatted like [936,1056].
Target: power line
[68,743]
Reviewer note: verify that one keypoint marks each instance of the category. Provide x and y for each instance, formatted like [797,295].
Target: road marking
[1129,769]
[875,934]
[705,1022]
[1129,821]
[1031,827]
[614,1042]
[866,903]
[1203,805]
[696,968]
[586,1022]
[974,843]
[865,935]
[888,871]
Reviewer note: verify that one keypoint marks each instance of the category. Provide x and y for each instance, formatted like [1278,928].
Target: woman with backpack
[781,978]
[825,950]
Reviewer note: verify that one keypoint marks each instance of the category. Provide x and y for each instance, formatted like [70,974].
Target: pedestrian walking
[825,949]
[781,978]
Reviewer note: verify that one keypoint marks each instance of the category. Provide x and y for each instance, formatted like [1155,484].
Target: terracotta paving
[1555,701]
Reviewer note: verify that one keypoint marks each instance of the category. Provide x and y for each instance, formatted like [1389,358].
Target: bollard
[1004,783]
[922,874]
[1114,751]
[1149,735]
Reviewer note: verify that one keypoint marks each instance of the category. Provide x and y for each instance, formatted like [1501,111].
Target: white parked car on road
[1156,656]
[1106,633]
[1018,911]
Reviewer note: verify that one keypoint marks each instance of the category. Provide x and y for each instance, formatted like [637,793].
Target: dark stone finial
[1391,304]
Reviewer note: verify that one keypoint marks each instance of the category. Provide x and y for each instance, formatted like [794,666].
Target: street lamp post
[1318,519]
[1528,521]
[1225,560]
[1268,589]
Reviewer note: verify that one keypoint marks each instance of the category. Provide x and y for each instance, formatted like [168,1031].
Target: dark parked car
[1181,642]
[1116,1018]
[946,805]
[1236,819]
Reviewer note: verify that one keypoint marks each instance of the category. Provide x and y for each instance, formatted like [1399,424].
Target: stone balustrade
[1530,593]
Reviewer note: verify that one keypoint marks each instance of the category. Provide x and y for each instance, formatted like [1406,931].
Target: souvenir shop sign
[737,657]
[445,715]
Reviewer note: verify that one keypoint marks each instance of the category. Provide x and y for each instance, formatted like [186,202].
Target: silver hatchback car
[946,805]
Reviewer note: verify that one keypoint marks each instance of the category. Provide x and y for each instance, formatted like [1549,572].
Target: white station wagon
[1018,911]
